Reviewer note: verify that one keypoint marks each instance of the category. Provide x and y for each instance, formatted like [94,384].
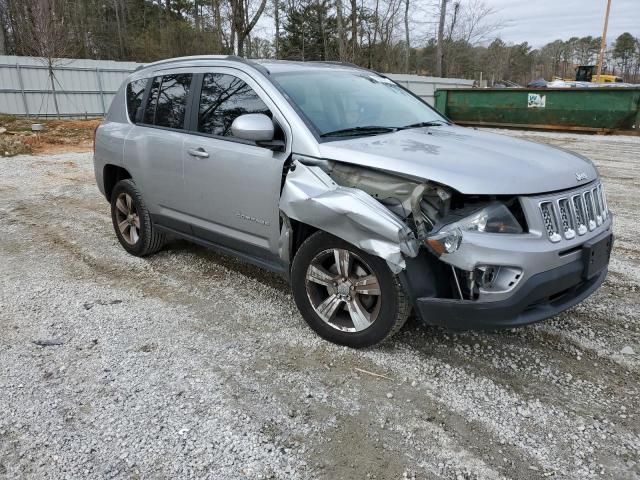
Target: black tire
[394,306]
[149,240]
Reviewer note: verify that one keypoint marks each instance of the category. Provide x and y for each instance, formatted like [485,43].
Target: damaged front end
[311,196]
[415,225]
[382,213]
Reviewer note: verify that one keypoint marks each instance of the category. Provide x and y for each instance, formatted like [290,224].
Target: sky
[538,21]
[542,21]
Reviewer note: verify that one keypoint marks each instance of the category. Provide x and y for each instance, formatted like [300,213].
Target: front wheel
[346,295]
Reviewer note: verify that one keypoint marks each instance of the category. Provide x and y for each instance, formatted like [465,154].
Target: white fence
[82,87]
[86,87]
[425,87]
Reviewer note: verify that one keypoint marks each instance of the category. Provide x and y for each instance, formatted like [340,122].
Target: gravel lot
[190,364]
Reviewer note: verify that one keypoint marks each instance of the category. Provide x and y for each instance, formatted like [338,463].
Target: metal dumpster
[588,109]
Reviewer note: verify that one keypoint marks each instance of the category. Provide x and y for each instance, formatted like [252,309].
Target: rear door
[233,184]
[154,147]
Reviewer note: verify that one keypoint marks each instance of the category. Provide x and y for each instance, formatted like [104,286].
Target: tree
[354,29]
[43,35]
[439,52]
[551,55]
[310,32]
[407,40]
[384,35]
[3,34]
[624,51]
[241,25]
[586,49]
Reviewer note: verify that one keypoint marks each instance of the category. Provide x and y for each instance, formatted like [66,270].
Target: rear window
[168,101]
[135,92]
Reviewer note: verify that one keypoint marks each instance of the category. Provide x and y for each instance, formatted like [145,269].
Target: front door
[233,185]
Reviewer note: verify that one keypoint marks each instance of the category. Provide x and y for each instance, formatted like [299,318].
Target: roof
[265,65]
[279,66]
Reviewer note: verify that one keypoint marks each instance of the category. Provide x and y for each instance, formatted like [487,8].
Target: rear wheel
[132,221]
[346,295]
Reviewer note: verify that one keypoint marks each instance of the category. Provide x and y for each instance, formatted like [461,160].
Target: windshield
[339,101]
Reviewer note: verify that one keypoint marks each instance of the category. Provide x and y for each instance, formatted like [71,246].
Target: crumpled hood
[468,160]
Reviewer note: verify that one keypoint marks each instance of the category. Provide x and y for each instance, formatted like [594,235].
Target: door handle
[198,152]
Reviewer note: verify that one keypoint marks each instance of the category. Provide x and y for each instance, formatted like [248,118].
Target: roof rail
[233,58]
[336,62]
[191,57]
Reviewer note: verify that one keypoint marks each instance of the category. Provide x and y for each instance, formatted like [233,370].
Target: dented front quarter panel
[310,196]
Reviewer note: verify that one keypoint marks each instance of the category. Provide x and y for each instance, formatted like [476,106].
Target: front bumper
[532,276]
[542,296]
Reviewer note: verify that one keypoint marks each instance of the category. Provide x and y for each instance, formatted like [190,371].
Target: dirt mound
[56,137]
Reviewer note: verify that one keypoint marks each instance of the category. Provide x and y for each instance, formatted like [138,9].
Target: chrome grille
[550,221]
[591,210]
[580,214]
[566,218]
[575,214]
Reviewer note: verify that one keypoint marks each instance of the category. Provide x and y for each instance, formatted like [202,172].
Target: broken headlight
[494,218]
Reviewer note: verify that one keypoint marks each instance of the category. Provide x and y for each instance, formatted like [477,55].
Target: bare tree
[241,25]
[276,18]
[439,51]
[477,22]
[452,25]
[406,34]
[354,29]
[340,28]
[3,34]
[45,36]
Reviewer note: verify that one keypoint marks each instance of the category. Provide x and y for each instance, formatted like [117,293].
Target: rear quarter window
[135,93]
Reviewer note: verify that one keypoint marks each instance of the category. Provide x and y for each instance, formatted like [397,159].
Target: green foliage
[146,30]
[310,33]
[625,50]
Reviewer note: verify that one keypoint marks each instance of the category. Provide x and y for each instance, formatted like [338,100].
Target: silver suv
[370,202]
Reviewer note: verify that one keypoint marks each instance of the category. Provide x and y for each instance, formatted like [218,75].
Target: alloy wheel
[127,218]
[343,290]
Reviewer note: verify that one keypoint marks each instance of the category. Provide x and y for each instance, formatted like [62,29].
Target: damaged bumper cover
[542,296]
[310,196]
[534,279]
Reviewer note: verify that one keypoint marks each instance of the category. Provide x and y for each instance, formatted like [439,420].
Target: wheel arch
[300,231]
[111,175]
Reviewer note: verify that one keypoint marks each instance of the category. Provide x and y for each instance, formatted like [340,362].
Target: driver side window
[224,98]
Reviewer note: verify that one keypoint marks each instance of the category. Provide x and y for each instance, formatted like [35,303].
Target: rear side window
[223,99]
[135,92]
[168,101]
[172,100]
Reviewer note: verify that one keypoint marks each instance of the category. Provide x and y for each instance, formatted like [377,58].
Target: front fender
[310,196]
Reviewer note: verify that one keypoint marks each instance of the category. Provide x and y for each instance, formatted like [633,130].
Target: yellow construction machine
[587,73]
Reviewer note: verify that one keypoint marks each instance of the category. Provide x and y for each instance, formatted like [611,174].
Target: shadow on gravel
[226,261]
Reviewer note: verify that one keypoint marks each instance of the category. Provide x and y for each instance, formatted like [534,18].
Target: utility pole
[603,44]
[443,14]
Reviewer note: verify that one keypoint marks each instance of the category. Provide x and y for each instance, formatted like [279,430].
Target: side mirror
[253,126]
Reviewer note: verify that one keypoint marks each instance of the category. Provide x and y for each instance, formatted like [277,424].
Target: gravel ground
[191,365]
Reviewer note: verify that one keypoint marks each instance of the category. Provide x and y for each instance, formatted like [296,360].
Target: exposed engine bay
[391,216]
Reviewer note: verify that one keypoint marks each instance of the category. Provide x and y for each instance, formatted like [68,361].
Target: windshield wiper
[432,123]
[354,131]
